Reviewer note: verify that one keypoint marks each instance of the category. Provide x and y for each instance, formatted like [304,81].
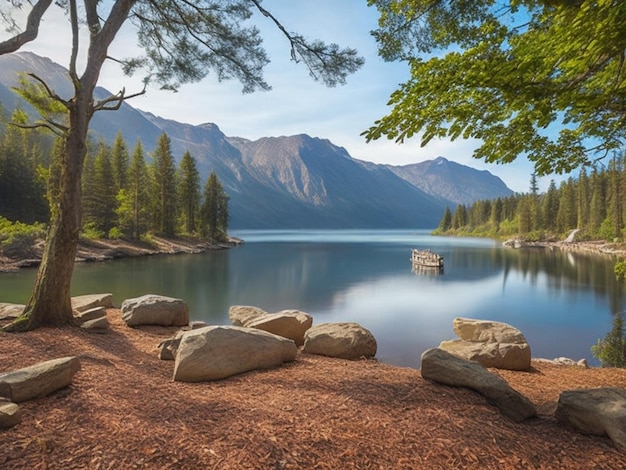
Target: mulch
[123,411]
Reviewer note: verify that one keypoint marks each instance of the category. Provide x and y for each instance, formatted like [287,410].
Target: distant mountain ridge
[282,182]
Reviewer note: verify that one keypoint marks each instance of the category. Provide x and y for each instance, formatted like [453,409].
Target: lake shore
[104,249]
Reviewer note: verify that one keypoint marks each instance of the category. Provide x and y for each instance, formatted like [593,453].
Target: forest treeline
[594,202]
[125,192]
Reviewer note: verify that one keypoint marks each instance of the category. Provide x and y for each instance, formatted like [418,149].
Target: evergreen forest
[126,193]
[594,203]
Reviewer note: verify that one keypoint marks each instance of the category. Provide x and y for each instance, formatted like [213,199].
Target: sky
[296,104]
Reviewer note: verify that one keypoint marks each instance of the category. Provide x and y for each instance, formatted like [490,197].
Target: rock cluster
[490,343]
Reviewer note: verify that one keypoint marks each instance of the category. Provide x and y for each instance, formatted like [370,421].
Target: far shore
[105,249]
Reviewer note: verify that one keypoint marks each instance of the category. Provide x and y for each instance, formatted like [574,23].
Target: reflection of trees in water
[567,271]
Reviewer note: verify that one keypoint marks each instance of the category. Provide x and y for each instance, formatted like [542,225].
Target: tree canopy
[540,78]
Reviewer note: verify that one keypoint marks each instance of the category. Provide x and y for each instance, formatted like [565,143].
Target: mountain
[448,180]
[274,182]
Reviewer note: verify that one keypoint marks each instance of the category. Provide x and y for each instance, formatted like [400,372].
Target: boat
[426,258]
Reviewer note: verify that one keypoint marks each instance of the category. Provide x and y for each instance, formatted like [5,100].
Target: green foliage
[17,238]
[90,231]
[189,192]
[509,72]
[611,350]
[214,210]
[164,189]
[620,270]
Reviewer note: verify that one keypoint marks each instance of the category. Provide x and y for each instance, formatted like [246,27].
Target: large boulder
[217,352]
[38,380]
[153,309]
[241,315]
[445,368]
[490,343]
[291,324]
[596,411]
[343,340]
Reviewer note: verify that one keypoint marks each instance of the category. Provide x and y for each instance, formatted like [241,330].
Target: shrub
[611,351]
[17,239]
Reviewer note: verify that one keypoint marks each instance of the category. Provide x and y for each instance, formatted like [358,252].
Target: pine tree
[459,218]
[615,198]
[189,191]
[99,192]
[119,162]
[597,212]
[214,211]
[164,175]
[583,199]
[446,220]
[134,201]
[551,207]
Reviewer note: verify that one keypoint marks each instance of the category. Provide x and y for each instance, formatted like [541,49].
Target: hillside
[279,182]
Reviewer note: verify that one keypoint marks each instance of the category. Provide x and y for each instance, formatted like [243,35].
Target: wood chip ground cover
[124,411]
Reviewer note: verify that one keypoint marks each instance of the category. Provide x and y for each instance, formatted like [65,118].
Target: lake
[562,302]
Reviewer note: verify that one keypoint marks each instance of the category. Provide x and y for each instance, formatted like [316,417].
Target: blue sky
[296,104]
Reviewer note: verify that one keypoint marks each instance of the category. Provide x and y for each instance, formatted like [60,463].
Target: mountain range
[283,182]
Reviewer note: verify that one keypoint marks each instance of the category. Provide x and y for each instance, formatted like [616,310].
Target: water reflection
[563,302]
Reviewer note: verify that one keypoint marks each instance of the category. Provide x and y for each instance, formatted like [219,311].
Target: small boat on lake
[426,258]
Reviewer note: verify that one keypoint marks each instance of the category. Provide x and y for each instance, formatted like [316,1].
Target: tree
[551,207]
[446,220]
[611,350]
[119,162]
[99,191]
[522,72]
[214,211]
[183,42]
[189,191]
[133,201]
[164,177]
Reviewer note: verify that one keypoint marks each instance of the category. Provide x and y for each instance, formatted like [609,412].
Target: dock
[426,258]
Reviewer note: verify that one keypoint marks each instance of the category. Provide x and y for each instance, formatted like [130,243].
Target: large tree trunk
[50,303]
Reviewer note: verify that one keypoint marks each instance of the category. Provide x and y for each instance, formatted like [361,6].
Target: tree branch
[31,31]
[118,99]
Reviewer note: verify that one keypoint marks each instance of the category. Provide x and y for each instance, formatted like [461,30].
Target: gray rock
[38,380]
[217,352]
[445,368]
[596,411]
[98,325]
[291,324]
[169,348]
[81,303]
[241,315]
[343,340]
[10,414]
[490,343]
[195,325]
[10,311]
[91,314]
[155,310]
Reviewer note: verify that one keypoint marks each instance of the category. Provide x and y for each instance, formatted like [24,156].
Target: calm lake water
[562,302]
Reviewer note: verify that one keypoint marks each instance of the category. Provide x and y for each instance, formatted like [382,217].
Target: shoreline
[104,249]
[90,251]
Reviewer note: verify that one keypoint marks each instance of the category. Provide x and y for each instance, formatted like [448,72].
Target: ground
[123,411]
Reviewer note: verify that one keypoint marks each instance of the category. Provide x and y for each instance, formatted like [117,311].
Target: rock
[169,348]
[81,303]
[217,352]
[10,311]
[194,325]
[445,368]
[98,325]
[91,314]
[291,324]
[155,310]
[241,315]
[490,343]
[38,380]
[596,411]
[10,414]
[342,340]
